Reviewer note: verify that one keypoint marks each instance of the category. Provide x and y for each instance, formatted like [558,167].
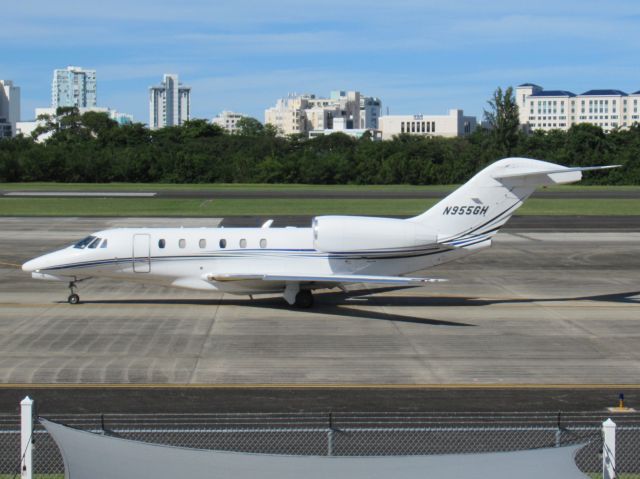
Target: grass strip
[282,206]
[147,187]
[111,187]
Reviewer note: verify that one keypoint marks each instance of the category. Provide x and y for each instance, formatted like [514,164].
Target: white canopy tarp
[93,455]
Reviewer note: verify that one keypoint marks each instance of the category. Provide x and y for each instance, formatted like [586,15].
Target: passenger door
[141,253]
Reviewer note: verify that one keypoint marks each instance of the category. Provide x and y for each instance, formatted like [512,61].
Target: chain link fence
[342,435]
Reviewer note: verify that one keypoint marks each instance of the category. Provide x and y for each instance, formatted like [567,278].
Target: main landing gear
[296,297]
[73,297]
[304,299]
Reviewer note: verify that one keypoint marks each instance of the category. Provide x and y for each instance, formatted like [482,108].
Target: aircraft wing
[326,278]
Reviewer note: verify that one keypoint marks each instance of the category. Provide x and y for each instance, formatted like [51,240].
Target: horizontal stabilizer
[326,278]
[532,172]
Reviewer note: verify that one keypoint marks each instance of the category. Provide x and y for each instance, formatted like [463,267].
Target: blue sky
[418,56]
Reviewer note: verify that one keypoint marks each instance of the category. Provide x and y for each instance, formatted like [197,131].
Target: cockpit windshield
[83,243]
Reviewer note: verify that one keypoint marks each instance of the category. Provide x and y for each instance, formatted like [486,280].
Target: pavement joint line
[487,386]
[205,339]
[427,367]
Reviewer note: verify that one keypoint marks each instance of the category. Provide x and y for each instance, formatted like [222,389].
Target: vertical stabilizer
[477,209]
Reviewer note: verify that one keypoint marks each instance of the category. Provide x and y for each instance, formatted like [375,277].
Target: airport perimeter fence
[342,435]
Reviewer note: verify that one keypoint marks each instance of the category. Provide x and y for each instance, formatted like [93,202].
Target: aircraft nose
[46,261]
[30,266]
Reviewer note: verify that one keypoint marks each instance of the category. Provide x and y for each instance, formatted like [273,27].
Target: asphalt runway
[539,308]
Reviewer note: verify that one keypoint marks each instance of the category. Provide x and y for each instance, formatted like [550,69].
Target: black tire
[73,299]
[304,299]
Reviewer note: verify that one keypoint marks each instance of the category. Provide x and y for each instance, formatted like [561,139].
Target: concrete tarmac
[539,308]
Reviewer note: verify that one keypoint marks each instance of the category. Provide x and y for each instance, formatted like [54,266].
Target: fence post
[609,449]
[559,430]
[330,442]
[330,436]
[26,438]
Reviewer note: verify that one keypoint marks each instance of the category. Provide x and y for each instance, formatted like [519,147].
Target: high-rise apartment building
[542,109]
[9,108]
[308,113]
[169,103]
[74,86]
[370,110]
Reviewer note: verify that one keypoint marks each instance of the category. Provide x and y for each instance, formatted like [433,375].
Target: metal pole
[330,436]
[26,438]
[330,442]
[609,449]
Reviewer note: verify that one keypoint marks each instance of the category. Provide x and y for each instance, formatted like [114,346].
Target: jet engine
[347,234]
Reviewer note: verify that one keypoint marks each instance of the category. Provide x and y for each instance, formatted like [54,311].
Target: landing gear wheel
[73,297]
[304,299]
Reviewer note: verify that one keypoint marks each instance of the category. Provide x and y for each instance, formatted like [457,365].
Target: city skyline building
[308,113]
[9,108]
[541,109]
[370,111]
[169,103]
[452,125]
[228,120]
[74,86]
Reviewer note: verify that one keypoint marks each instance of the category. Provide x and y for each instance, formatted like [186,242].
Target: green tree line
[93,148]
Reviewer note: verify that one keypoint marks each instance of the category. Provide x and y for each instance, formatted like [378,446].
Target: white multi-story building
[169,103]
[308,113]
[370,110]
[74,86]
[340,125]
[26,128]
[228,120]
[120,118]
[451,125]
[9,108]
[542,109]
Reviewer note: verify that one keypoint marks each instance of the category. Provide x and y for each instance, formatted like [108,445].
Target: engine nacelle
[333,234]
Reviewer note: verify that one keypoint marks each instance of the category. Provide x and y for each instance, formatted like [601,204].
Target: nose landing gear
[73,297]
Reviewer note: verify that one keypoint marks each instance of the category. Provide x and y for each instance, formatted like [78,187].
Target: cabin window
[182,243]
[202,243]
[161,244]
[223,243]
[243,243]
[263,243]
[104,243]
[94,243]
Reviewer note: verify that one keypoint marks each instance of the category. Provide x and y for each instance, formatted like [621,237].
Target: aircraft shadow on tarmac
[338,303]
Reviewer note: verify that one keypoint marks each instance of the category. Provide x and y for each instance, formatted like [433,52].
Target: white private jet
[336,250]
